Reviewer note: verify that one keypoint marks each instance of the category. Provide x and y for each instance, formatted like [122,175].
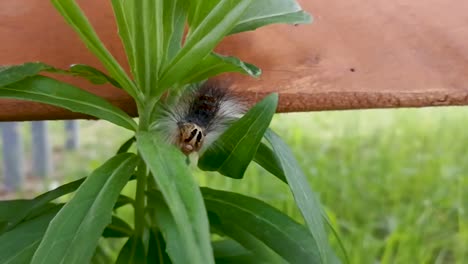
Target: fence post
[41,150]
[13,169]
[71,134]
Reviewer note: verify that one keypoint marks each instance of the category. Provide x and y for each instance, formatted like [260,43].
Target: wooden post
[13,170]
[71,135]
[41,150]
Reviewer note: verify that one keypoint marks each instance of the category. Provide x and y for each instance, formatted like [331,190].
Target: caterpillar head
[190,138]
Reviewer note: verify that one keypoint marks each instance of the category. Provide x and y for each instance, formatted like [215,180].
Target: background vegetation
[394,181]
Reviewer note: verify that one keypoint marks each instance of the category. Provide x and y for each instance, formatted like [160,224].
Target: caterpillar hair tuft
[199,116]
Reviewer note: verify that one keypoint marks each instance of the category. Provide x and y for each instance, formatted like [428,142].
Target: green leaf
[92,74]
[162,219]
[228,248]
[203,39]
[175,13]
[305,198]
[123,200]
[156,249]
[215,64]
[101,256]
[46,90]
[267,159]
[117,228]
[132,252]
[279,232]
[126,145]
[18,245]
[124,16]
[264,12]
[16,211]
[148,42]
[232,152]
[73,234]
[75,17]
[13,73]
[181,193]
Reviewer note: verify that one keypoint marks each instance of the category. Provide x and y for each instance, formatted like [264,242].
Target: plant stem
[140,199]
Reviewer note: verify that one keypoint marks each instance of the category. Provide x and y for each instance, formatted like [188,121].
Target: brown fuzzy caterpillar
[199,116]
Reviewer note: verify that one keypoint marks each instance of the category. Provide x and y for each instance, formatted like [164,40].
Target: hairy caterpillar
[199,116]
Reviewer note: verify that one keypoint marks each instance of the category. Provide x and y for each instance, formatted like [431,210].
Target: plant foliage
[169,45]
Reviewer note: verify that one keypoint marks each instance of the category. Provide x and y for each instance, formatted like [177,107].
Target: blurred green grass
[393,181]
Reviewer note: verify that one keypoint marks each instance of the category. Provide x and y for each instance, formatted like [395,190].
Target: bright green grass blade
[181,193]
[46,90]
[215,64]
[73,234]
[75,17]
[282,234]
[19,244]
[306,200]
[202,40]
[132,252]
[264,12]
[232,152]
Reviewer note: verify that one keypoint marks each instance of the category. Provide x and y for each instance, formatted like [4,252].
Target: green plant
[173,217]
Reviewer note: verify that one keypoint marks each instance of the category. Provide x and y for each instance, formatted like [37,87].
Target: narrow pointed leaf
[132,252]
[163,220]
[124,16]
[232,152]
[306,200]
[282,234]
[264,12]
[203,39]
[175,14]
[17,210]
[181,193]
[148,42]
[117,228]
[72,13]
[266,158]
[12,73]
[94,75]
[73,234]
[215,64]
[19,244]
[46,90]
[126,145]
